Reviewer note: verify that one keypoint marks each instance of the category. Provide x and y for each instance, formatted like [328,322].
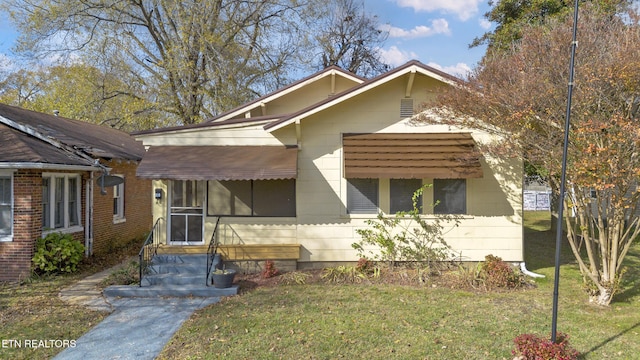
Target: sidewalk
[137,328]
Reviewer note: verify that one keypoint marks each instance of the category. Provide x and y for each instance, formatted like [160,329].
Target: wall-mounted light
[158,194]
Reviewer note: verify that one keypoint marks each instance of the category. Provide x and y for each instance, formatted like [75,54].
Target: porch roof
[219,163]
[411,156]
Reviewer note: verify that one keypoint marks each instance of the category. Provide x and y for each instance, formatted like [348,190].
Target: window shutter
[362,196]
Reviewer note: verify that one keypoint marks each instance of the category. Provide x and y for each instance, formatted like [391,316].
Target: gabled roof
[413,66]
[329,71]
[46,137]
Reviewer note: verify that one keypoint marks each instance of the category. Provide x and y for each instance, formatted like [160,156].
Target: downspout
[88,230]
[523,268]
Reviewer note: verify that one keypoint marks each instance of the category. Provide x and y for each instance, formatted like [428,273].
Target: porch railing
[211,251]
[149,248]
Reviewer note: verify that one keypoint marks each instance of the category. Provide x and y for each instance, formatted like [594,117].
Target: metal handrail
[149,248]
[211,251]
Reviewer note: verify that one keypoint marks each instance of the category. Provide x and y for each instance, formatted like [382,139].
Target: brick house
[58,175]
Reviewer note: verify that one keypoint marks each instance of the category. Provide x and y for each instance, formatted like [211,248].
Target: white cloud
[396,57]
[460,70]
[438,26]
[464,9]
[484,23]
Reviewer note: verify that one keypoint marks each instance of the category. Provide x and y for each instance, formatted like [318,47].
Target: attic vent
[406,107]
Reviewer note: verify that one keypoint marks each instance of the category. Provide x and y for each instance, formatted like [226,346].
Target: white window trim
[9,238]
[66,228]
[120,216]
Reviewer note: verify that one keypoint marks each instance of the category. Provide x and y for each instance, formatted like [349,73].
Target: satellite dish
[109,180]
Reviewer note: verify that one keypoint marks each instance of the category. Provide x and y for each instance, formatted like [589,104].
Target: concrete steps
[174,275]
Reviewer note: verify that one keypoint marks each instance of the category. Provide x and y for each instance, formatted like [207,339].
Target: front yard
[320,321]
[391,321]
[35,322]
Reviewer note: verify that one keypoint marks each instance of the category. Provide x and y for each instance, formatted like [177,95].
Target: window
[252,198]
[60,201]
[401,192]
[118,202]
[362,196]
[6,204]
[450,196]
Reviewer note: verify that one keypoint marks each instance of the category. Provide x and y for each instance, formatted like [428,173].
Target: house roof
[56,132]
[18,147]
[229,122]
[329,71]
[219,163]
[413,66]
[411,156]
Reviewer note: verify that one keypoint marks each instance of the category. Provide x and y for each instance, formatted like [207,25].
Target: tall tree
[197,58]
[520,94]
[347,36]
[80,92]
[513,17]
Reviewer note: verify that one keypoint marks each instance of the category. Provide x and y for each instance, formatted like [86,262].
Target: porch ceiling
[219,163]
[411,156]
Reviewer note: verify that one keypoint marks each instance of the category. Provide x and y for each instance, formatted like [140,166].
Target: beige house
[294,174]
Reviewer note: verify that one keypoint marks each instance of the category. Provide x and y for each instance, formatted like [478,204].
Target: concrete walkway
[137,328]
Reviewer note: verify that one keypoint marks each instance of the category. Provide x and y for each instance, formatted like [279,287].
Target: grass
[32,310]
[388,321]
[357,321]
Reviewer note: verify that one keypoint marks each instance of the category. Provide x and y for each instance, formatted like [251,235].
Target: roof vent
[406,108]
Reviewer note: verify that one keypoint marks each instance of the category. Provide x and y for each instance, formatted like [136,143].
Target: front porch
[244,257]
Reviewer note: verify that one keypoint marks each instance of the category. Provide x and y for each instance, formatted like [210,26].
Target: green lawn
[387,321]
[358,321]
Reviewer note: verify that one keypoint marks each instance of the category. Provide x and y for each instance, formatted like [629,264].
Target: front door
[186,212]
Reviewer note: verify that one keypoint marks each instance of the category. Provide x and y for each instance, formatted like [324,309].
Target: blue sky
[435,32]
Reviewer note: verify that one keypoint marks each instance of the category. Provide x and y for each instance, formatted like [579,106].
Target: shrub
[500,274]
[295,277]
[127,275]
[269,270]
[533,347]
[343,274]
[57,253]
[365,266]
[406,237]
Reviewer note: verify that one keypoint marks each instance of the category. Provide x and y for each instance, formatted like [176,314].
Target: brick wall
[15,256]
[137,210]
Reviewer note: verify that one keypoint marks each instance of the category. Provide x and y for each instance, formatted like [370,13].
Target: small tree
[407,236]
[521,95]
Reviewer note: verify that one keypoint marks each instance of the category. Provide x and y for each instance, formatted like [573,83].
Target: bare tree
[198,58]
[348,37]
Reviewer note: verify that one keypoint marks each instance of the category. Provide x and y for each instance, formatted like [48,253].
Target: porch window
[118,202]
[362,196]
[401,192]
[60,201]
[450,196]
[6,203]
[268,198]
